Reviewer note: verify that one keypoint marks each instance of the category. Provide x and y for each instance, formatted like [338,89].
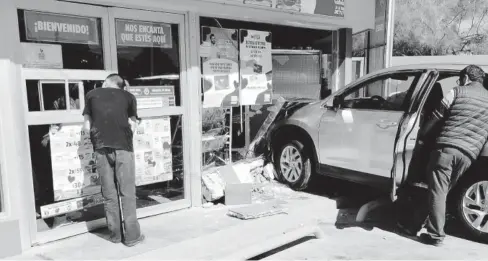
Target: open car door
[406,137]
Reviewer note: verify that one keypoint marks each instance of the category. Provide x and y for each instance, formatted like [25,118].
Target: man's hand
[53,129]
[87,123]
[133,124]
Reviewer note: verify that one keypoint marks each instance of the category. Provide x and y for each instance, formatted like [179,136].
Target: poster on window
[152,151]
[71,205]
[143,34]
[256,67]
[293,5]
[73,162]
[61,28]
[43,56]
[220,67]
[268,3]
[150,97]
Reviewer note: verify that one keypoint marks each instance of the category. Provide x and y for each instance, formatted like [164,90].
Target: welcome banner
[47,27]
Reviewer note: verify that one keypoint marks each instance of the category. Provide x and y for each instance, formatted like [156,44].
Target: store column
[342,57]
[14,221]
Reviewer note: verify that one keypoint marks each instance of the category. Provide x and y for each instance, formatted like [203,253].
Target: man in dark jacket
[463,133]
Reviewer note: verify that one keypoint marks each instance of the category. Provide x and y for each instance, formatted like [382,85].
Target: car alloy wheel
[291,163]
[475,206]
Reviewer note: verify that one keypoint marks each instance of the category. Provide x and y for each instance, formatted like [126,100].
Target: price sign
[73,163]
[152,149]
[72,205]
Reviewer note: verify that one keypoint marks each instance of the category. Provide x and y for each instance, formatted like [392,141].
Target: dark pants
[117,173]
[445,168]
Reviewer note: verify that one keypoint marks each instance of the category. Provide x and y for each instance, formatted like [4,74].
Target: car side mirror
[337,102]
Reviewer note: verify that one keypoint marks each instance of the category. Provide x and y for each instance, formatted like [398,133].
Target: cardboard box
[236,191]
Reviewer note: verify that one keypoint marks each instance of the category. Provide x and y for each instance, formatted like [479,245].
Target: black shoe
[429,240]
[404,230]
[135,242]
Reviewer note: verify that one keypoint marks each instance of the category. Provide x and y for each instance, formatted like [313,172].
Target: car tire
[297,175]
[466,206]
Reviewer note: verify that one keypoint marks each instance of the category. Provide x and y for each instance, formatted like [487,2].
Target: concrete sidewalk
[196,233]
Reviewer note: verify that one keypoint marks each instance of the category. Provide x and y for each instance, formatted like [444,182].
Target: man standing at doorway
[111,117]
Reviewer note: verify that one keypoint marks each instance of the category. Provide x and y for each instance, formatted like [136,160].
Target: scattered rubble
[257,211]
[269,172]
[212,185]
[248,171]
[245,182]
[208,205]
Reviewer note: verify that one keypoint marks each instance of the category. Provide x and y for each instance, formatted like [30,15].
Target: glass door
[66,54]
[149,48]
[60,69]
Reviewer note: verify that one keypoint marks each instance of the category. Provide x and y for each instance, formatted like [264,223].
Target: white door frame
[183,110]
[107,16]
[46,117]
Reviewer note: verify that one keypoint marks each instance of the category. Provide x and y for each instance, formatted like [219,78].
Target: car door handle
[385,124]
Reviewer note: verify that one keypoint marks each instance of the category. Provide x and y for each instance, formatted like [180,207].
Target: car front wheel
[293,165]
[472,207]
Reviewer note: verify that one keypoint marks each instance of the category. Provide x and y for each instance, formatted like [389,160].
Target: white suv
[368,131]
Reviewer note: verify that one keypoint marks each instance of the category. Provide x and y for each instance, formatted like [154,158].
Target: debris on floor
[239,176]
[257,211]
[269,172]
[238,194]
[250,170]
[245,182]
[275,190]
[259,139]
[212,185]
[208,205]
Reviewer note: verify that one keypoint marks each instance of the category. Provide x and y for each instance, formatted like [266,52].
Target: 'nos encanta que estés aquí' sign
[143,34]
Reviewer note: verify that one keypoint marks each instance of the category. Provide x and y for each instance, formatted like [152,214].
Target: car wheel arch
[280,135]
[477,169]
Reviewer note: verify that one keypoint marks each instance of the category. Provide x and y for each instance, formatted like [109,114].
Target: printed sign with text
[143,34]
[71,205]
[152,149]
[46,56]
[73,163]
[268,3]
[59,28]
[256,67]
[293,5]
[220,65]
[149,97]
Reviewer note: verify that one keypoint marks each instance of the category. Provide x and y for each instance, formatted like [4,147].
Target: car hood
[307,117]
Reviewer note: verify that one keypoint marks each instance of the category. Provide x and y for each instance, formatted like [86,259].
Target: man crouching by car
[464,131]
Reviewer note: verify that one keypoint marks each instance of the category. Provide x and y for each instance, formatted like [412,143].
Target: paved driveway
[346,239]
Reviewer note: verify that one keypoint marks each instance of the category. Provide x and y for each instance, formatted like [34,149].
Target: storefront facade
[54,52]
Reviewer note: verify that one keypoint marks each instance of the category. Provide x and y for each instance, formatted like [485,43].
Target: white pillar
[390,32]
[14,146]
